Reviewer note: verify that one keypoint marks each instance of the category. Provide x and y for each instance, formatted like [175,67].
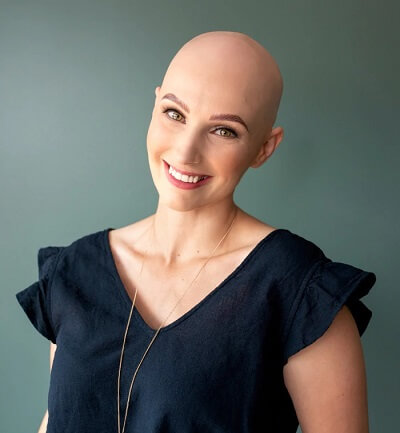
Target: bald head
[233,68]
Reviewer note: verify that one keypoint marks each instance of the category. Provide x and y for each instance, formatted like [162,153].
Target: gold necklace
[158,330]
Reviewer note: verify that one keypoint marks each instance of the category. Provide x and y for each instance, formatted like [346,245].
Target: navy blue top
[216,369]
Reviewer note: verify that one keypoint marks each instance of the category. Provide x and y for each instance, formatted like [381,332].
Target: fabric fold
[330,286]
[35,300]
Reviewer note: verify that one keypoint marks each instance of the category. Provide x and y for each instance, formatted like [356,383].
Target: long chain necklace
[158,330]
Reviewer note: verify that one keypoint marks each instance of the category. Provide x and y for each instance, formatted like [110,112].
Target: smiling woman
[200,317]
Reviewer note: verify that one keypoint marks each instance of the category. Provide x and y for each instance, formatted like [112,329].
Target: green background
[77,83]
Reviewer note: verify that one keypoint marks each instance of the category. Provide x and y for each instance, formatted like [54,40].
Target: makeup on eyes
[218,116]
[232,131]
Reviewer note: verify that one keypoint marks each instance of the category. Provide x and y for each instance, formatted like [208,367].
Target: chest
[216,371]
[163,296]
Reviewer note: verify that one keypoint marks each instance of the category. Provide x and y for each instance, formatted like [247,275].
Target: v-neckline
[128,301]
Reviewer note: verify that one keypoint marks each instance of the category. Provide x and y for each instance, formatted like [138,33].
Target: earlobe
[261,156]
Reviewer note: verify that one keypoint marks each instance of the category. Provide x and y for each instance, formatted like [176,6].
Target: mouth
[185,181]
[187,173]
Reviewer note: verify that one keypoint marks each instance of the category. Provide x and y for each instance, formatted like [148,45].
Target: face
[223,148]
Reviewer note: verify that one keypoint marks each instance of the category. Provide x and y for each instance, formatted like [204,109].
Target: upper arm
[43,424]
[53,348]
[327,382]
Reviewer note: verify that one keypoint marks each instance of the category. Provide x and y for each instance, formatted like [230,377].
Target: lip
[187,172]
[183,185]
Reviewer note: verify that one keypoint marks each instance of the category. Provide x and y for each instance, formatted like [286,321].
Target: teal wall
[77,83]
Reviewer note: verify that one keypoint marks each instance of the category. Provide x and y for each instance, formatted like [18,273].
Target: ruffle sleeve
[35,300]
[327,287]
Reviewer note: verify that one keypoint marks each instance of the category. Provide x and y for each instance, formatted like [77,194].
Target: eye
[176,114]
[231,131]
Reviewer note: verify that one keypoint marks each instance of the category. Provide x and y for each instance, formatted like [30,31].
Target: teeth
[184,177]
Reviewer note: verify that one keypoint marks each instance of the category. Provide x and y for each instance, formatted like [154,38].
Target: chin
[177,205]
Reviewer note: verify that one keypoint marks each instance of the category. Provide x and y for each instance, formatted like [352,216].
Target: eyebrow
[223,116]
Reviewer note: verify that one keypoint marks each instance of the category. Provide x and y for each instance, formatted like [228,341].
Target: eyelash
[221,127]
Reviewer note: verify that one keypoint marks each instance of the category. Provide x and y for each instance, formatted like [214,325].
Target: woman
[237,326]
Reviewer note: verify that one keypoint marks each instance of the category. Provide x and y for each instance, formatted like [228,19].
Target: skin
[229,72]
[216,72]
[327,380]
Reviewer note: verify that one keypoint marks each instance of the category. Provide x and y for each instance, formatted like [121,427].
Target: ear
[268,147]
[156,92]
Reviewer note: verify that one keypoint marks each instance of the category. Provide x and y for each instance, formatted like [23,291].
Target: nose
[188,149]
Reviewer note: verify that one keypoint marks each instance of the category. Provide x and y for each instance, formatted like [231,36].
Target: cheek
[155,138]
[232,164]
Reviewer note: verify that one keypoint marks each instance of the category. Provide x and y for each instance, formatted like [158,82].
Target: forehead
[209,91]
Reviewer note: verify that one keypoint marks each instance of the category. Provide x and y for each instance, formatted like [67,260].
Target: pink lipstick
[181,184]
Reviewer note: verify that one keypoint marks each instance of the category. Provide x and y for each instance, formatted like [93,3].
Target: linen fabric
[216,369]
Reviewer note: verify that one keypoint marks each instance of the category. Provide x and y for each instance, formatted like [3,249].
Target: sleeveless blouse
[216,369]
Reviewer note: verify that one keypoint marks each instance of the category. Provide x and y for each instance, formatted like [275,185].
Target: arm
[53,348]
[327,380]
[43,425]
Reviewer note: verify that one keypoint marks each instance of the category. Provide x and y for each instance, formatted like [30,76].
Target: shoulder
[83,242]
[290,248]
[80,252]
[299,246]
[295,256]
[316,290]
[84,245]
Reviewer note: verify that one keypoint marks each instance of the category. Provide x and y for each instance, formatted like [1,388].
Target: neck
[180,237]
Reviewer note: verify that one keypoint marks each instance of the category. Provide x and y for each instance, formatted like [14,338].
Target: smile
[191,178]
[185,180]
